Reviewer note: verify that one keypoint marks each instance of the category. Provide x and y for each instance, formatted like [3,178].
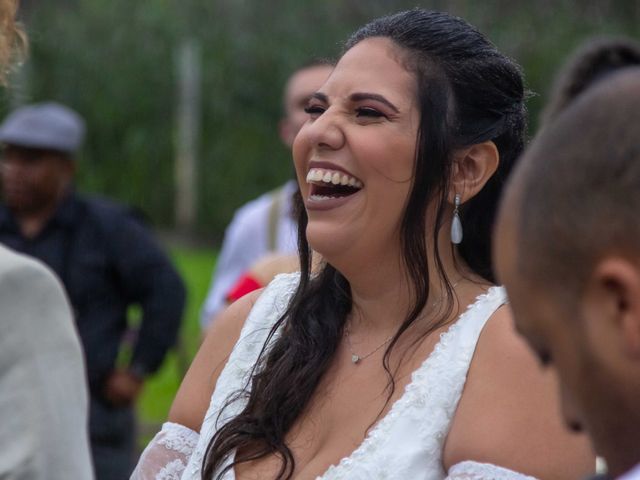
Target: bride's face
[354,157]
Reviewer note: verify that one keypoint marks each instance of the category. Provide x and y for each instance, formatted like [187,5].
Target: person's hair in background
[13,41]
[594,60]
[451,62]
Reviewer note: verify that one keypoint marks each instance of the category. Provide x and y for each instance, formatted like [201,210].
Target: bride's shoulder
[502,367]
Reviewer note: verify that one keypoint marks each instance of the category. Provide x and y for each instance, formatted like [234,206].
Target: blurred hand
[122,388]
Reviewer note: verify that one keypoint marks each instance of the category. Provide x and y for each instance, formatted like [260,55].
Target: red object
[245,284]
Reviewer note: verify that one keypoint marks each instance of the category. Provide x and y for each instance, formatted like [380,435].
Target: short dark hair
[578,186]
[594,60]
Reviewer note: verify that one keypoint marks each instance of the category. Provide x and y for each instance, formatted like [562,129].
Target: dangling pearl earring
[456,224]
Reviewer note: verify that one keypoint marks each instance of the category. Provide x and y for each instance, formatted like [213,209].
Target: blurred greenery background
[115,61]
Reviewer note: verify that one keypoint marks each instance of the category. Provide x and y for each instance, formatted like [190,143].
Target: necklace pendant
[355,358]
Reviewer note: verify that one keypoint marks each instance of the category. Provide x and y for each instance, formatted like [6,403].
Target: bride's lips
[330,186]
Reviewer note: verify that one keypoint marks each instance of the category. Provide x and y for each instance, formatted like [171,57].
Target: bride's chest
[348,402]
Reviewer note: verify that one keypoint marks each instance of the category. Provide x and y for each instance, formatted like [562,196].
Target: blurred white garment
[43,393]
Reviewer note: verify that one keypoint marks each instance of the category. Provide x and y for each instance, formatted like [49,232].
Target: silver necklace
[356,359]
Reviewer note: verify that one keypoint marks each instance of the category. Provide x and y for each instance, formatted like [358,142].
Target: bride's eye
[314,111]
[369,112]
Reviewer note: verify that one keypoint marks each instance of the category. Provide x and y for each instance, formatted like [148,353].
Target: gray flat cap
[48,126]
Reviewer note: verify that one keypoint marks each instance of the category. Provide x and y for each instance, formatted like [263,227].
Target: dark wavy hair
[468,93]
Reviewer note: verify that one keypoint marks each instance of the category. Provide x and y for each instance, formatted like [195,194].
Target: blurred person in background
[261,273]
[106,260]
[43,392]
[265,225]
[567,251]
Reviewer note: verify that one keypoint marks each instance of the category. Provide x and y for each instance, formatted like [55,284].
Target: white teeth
[318,198]
[333,177]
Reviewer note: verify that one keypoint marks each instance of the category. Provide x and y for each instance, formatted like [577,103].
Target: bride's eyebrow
[359,96]
[319,96]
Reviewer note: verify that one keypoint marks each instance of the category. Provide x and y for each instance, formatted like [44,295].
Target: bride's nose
[325,132]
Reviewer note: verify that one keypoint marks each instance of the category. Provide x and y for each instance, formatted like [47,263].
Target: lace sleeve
[483,471]
[167,455]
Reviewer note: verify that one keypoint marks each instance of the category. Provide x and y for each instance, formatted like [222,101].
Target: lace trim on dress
[470,470]
[173,471]
[178,438]
[167,455]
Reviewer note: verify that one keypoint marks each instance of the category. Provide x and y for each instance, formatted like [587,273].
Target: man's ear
[616,283]
[472,168]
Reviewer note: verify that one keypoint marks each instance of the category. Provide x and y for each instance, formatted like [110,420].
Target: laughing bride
[397,359]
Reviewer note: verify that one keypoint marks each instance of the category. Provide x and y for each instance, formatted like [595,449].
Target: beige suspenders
[274,214]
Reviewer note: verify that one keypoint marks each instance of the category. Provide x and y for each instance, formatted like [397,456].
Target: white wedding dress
[405,444]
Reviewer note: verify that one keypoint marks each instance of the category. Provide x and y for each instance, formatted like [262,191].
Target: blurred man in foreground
[567,252]
[43,394]
[106,260]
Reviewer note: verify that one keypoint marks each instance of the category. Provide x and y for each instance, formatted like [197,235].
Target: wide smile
[328,185]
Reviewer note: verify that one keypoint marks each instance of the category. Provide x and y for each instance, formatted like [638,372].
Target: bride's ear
[472,168]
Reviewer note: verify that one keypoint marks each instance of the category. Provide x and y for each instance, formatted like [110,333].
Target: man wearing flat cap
[107,261]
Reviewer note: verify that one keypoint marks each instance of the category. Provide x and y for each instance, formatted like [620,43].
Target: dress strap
[475,318]
[277,199]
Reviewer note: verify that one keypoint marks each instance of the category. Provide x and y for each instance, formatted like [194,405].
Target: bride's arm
[509,414]
[169,451]
[194,395]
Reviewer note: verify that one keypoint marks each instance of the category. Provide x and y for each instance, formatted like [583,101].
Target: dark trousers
[113,432]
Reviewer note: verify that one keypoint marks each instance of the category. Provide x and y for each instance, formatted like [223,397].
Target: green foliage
[114,61]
